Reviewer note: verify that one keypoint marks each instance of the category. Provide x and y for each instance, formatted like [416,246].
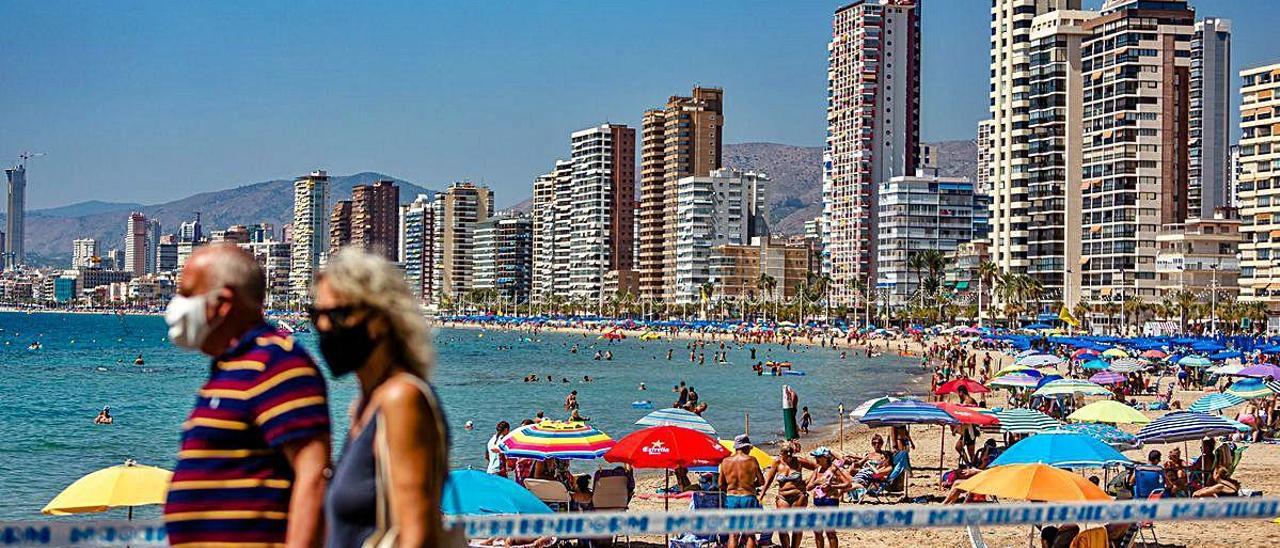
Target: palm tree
[705,291]
[988,273]
[767,285]
[1183,302]
[917,265]
[1081,311]
[1133,307]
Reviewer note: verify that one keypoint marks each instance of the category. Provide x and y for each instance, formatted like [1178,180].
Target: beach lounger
[551,492]
[894,485]
[610,494]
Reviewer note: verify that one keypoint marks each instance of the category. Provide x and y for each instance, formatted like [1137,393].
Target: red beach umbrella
[667,447]
[1084,352]
[970,385]
[969,415]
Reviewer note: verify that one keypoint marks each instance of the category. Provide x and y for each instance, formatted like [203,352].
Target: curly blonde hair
[367,280]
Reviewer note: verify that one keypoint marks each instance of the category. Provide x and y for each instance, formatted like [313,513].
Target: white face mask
[188,326]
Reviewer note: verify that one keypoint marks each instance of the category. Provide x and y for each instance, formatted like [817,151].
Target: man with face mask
[255,450]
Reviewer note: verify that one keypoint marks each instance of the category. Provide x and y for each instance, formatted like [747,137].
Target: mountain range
[50,231]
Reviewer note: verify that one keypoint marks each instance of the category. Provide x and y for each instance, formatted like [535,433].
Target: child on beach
[805,420]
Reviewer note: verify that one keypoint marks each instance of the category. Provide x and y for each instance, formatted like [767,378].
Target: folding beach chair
[1148,479]
[551,492]
[701,500]
[610,495]
[1150,525]
[897,482]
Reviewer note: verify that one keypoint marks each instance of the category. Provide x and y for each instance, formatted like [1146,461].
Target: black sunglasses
[336,314]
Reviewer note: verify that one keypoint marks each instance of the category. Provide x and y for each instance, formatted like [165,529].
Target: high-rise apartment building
[1233,192]
[724,208]
[552,211]
[603,208]
[685,139]
[457,211]
[920,213]
[153,245]
[135,244]
[191,231]
[16,217]
[167,254]
[983,181]
[1136,64]
[1209,152]
[374,222]
[504,257]
[310,232]
[873,130]
[1259,196]
[1054,139]
[340,225]
[84,253]
[1009,156]
[417,245]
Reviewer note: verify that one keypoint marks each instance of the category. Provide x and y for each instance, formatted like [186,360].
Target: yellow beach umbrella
[129,484]
[1034,482]
[756,453]
[1011,369]
[1115,353]
[1110,412]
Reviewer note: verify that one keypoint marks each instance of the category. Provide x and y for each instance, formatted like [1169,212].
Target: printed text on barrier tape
[606,524]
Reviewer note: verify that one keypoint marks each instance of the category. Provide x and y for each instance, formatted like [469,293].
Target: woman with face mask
[386,488]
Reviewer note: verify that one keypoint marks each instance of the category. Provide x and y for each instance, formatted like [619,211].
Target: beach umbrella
[1062,449]
[1194,361]
[1016,380]
[1251,388]
[1039,360]
[1184,426]
[672,416]
[1095,364]
[1261,371]
[1025,421]
[1154,354]
[1225,355]
[861,410]
[667,447]
[971,386]
[1105,433]
[1034,482]
[475,493]
[907,412]
[1013,369]
[1026,353]
[1115,353]
[757,453]
[1133,364]
[1107,377]
[1228,369]
[1064,387]
[128,485]
[1086,352]
[554,439]
[969,415]
[1109,411]
[1216,401]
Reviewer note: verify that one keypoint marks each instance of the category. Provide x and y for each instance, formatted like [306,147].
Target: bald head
[216,266]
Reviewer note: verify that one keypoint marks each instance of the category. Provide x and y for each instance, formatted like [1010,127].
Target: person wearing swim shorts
[740,480]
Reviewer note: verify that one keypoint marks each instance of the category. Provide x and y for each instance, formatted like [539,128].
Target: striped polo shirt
[232,483]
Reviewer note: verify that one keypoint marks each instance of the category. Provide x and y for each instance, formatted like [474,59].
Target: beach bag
[387,533]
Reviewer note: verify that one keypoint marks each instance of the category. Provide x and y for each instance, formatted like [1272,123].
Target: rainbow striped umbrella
[553,439]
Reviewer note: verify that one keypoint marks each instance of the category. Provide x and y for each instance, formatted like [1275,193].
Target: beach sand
[1258,470]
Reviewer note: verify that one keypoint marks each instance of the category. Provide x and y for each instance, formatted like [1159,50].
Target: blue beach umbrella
[1184,426]
[1105,433]
[907,412]
[1062,449]
[1224,355]
[1252,388]
[1214,402]
[475,493]
[1094,364]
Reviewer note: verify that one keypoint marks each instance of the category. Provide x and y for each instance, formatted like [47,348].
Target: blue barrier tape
[706,522]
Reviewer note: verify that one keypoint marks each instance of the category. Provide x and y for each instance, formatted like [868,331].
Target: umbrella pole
[666,500]
[942,449]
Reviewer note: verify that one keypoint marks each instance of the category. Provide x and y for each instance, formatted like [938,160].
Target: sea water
[50,396]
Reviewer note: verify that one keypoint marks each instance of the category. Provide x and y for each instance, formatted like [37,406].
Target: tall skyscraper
[724,208]
[340,225]
[84,253]
[1055,129]
[1135,150]
[135,244]
[16,217]
[983,182]
[457,211]
[1210,148]
[310,231]
[191,231]
[153,245]
[552,212]
[374,218]
[682,140]
[603,207]
[873,129]
[504,256]
[1259,151]
[417,246]
[1010,132]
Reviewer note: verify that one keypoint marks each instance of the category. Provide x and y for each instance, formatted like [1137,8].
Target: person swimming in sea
[599,355]
[642,387]
[104,416]
[138,360]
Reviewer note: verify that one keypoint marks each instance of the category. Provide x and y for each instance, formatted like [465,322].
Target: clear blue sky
[151,101]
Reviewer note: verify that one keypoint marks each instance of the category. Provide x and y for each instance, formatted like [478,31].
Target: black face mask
[345,348]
